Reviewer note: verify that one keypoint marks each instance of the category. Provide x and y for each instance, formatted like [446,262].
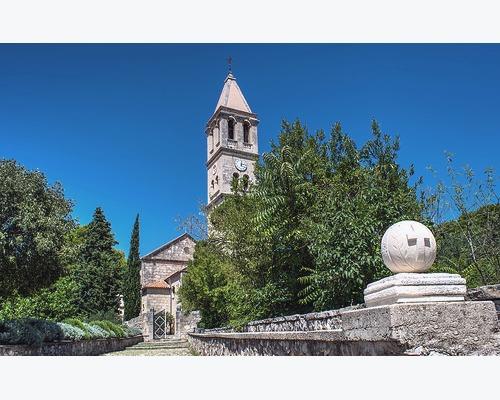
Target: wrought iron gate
[161,325]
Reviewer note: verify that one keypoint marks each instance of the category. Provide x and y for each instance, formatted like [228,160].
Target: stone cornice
[231,111]
[163,260]
[235,152]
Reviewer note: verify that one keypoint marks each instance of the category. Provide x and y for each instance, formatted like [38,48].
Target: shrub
[80,325]
[71,332]
[50,331]
[19,332]
[114,330]
[29,331]
[95,332]
[131,331]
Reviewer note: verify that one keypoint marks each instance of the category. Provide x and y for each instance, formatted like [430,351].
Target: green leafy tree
[34,220]
[366,193]
[306,235]
[56,303]
[205,286]
[466,214]
[98,272]
[132,282]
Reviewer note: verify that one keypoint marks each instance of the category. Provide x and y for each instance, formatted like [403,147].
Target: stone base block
[415,288]
[454,328]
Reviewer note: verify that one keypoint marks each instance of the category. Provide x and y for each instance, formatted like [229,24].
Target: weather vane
[229,62]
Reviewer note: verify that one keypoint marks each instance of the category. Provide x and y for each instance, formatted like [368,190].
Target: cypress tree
[99,238]
[132,284]
[99,271]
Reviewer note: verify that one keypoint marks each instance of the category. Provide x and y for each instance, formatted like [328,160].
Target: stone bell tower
[232,142]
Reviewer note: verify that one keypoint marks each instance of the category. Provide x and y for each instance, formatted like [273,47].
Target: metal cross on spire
[229,64]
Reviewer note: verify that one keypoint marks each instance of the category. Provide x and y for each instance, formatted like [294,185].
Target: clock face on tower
[240,165]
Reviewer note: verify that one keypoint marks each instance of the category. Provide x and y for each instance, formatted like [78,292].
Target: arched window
[230,128]
[246,132]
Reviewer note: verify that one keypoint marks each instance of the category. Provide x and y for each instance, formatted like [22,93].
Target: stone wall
[326,320]
[484,293]
[448,328]
[322,343]
[186,322]
[71,348]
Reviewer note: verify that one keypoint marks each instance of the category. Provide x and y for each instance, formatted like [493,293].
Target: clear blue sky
[122,126]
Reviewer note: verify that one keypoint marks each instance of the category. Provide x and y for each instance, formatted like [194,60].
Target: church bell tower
[232,142]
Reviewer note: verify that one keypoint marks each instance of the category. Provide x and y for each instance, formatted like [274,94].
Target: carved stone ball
[408,246]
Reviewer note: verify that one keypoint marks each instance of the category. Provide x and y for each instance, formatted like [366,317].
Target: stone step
[157,348]
[149,345]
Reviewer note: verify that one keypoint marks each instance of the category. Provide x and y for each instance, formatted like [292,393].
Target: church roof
[232,97]
[161,284]
[166,245]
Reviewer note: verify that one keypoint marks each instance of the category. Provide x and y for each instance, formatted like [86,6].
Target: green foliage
[204,288]
[132,277]
[366,193]
[80,325]
[54,303]
[29,331]
[468,242]
[114,330]
[98,272]
[34,220]
[33,332]
[71,332]
[306,235]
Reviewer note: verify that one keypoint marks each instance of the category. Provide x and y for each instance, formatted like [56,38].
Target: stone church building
[232,149]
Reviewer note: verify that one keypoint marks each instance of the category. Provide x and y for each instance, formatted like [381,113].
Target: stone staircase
[164,347]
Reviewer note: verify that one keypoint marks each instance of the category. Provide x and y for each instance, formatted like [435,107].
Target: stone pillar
[148,327]
[408,250]
[426,312]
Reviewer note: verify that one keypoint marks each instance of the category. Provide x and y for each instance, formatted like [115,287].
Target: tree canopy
[35,217]
[132,278]
[306,235]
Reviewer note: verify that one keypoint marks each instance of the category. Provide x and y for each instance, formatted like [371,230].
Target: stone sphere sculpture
[408,246]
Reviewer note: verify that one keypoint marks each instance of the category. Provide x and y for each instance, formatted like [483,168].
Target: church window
[217,180]
[217,133]
[230,129]
[212,184]
[211,141]
[246,132]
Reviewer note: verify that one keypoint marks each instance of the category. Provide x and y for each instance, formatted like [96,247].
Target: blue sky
[122,126]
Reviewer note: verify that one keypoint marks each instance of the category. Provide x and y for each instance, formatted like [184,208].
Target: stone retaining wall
[71,348]
[483,293]
[447,328]
[311,343]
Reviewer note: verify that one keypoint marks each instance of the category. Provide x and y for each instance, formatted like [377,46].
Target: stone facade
[232,142]
[161,275]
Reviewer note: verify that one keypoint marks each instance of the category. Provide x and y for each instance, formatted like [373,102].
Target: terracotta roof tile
[161,284]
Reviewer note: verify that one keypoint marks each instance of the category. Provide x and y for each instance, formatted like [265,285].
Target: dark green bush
[29,331]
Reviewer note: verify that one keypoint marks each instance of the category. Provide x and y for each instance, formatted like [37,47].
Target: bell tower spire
[232,141]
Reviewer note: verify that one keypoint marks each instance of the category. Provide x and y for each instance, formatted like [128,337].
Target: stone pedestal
[453,328]
[415,288]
